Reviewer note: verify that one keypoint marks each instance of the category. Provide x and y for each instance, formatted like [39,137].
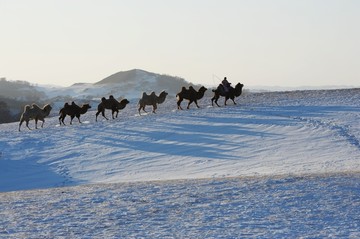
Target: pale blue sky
[257,42]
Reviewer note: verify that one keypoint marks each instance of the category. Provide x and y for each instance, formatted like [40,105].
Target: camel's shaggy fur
[36,113]
[191,95]
[72,110]
[111,104]
[151,99]
[231,94]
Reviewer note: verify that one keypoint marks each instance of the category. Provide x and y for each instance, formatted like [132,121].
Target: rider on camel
[226,85]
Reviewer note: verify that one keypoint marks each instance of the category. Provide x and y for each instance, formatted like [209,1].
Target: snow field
[277,165]
[317,206]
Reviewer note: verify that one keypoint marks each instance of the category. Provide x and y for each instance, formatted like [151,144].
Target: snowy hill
[298,132]
[124,84]
[276,165]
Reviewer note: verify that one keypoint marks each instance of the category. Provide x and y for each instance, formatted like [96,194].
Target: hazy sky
[256,42]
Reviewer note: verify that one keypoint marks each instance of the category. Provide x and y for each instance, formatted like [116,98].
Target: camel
[231,94]
[36,113]
[191,95]
[72,110]
[151,99]
[111,104]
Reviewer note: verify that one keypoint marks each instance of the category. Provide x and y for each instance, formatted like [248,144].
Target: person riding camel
[226,85]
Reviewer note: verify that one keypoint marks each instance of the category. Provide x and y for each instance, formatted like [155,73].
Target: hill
[142,81]
[125,84]
[13,96]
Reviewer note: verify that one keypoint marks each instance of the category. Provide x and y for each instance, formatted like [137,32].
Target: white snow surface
[276,165]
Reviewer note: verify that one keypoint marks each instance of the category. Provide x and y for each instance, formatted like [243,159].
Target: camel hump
[191,89]
[111,97]
[35,106]
[27,107]
[74,105]
[103,99]
[152,93]
[144,94]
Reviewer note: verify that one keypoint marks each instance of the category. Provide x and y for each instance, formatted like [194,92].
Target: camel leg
[117,112]
[196,104]
[154,108]
[188,106]
[226,98]
[43,121]
[72,117]
[78,117]
[36,121]
[27,124]
[103,114]
[233,100]
[216,102]
[215,98]
[21,121]
[178,104]
[62,120]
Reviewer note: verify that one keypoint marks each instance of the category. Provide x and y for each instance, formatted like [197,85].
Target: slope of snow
[276,165]
[266,134]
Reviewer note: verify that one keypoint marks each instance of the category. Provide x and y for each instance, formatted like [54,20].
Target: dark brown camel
[191,95]
[151,99]
[72,110]
[111,104]
[231,94]
[36,113]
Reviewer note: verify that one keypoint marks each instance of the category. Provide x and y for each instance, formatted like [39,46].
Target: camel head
[47,108]
[238,89]
[202,89]
[162,97]
[86,106]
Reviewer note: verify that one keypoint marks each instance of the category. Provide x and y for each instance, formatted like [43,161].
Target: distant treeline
[13,96]
[19,90]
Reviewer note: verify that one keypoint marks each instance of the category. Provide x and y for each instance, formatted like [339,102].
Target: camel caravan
[34,112]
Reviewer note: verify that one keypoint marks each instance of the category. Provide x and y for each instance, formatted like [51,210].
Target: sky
[256,42]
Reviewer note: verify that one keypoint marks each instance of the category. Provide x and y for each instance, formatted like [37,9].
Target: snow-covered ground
[278,165]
